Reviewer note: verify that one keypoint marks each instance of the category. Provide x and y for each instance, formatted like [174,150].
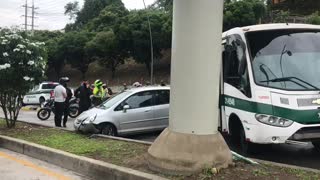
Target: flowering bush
[22,65]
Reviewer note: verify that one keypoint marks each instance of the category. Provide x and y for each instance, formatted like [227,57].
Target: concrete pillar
[192,141]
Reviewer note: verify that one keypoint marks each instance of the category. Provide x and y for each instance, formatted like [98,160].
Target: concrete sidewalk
[15,166]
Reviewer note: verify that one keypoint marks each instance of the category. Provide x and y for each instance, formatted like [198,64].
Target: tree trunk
[147,63]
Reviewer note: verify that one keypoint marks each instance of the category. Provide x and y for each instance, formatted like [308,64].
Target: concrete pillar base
[177,153]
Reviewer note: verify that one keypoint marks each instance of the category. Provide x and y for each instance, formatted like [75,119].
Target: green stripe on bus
[301,116]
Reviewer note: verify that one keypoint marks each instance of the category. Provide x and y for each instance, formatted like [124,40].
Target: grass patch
[116,152]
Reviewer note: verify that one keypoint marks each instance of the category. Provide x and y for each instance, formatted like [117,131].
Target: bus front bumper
[266,134]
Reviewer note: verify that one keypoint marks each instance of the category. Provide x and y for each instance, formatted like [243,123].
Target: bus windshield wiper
[292,80]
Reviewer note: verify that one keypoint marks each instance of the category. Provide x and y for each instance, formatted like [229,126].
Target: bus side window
[231,63]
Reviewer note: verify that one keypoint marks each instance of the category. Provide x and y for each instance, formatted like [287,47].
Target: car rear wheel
[109,130]
[41,100]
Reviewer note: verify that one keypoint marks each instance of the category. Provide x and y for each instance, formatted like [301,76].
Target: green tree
[300,7]
[90,10]
[72,49]
[72,9]
[243,13]
[111,44]
[161,24]
[167,5]
[281,16]
[106,48]
[314,18]
[22,65]
[51,39]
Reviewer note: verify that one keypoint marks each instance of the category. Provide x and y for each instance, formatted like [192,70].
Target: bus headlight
[273,120]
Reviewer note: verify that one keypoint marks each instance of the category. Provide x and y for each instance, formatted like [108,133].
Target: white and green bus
[271,84]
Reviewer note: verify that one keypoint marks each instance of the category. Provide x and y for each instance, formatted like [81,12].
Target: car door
[139,114]
[161,109]
[32,96]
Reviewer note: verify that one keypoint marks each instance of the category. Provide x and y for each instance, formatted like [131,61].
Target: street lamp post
[151,44]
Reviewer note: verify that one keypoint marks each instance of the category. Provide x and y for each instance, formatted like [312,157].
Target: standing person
[60,95]
[83,93]
[125,86]
[66,104]
[162,83]
[98,92]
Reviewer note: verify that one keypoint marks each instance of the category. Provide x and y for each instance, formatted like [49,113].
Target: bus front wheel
[246,146]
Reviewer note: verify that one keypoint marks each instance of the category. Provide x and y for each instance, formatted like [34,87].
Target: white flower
[28,52]
[4,42]
[5,54]
[20,63]
[33,44]
[16,50]
[26,78]
[21,46]
[31,63]
[5,66]
[16,36]
[41,58]
[40,43]
[31,79]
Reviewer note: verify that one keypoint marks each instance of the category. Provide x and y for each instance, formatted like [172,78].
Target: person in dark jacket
[66,103]
[83,93]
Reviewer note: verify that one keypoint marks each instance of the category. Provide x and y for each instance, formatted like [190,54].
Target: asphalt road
[15,166]
[305,156]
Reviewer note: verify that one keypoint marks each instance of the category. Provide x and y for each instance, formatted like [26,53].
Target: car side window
[140,100]
[162,97]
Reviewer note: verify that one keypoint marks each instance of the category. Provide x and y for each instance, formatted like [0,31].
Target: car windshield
[113,100]
[49,86]
[286,59]
[35,88]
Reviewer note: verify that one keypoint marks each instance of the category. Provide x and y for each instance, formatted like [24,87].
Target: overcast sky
[50,13]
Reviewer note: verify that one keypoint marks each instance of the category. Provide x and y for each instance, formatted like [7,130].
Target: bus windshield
[286,59]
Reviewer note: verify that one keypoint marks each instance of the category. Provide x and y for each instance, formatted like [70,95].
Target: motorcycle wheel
[73,112]
[43,114]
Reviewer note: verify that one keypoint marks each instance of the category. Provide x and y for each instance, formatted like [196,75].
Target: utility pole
[26,16]
[151,43]
[32,17]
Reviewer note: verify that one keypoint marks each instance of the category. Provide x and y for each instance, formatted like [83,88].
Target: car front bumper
[86,127]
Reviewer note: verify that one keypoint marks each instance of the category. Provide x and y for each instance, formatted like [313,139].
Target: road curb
[27,108]
[121,139]
[82,165]
[285,165]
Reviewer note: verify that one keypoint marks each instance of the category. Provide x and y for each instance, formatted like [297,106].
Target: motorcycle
[48,107]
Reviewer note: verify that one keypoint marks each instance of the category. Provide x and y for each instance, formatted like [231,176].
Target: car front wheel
[109,130]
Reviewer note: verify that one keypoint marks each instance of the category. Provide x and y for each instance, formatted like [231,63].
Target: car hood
[91,112]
